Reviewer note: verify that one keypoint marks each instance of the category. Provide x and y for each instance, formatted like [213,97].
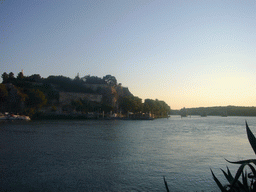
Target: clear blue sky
[193,53]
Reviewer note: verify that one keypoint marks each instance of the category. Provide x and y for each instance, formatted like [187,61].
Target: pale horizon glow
[187,53]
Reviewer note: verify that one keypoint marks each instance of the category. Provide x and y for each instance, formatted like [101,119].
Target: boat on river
[14,117]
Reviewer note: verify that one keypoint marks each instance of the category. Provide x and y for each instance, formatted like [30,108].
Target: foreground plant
[166,185]
[248,180]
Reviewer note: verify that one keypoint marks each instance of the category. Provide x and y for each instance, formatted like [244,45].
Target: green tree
[67,84]
[36,99]
[149,106]
[5,77]
[11,76]
[106,108]
[3,96]
[94,80]
[3,92]
[34,78]
[156,107]
[20,76]
[131,104]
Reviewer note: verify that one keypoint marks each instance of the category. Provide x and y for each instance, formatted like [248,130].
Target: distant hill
[218,111]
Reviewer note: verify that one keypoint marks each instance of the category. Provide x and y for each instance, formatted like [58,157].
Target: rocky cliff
[103,93]
[66,97]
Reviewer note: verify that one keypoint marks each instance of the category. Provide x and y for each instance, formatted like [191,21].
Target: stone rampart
[67,97]
[95,87]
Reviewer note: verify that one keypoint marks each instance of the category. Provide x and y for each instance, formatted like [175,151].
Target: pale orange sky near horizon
[187,53]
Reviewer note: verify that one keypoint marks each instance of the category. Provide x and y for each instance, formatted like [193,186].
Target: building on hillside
[66,97]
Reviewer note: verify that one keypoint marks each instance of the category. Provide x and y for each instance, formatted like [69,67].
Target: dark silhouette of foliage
[36,99]
[110,80]
[3,93]
[67,84]
[106,108]
[131,104]
[34,78]
[11,75]
[5,77]
[77,78]
[220,111]
[93,80]
[166,185]
[12,98]
[135,105]
[3,96]
[20,76]
[8,78]
[156,107]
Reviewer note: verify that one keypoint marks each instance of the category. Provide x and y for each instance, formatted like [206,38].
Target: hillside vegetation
[31,94]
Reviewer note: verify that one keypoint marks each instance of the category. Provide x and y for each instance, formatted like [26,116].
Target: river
[121,155]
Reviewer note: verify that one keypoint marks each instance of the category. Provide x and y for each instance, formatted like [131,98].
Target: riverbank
[14,117]
[84,117]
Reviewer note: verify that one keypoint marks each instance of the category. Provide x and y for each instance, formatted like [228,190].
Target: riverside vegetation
[36,96]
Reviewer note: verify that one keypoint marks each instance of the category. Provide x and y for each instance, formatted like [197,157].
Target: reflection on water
[121,155]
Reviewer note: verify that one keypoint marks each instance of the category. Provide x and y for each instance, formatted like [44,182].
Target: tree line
[10,78]
[128,104]
[134,104]
[218,111]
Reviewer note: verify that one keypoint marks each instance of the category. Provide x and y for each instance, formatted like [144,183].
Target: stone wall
[103,88]
[96,87]
[105,93]
[67,97]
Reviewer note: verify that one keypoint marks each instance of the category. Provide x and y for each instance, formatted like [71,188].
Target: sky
[188,53]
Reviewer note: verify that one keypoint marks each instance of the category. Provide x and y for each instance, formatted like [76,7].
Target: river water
[119,155]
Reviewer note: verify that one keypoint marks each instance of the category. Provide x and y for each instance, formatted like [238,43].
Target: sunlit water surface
[121,155]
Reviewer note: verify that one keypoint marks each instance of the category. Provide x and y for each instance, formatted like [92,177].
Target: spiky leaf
[243,161]
[238,173]
[251,138]
[245,181]
[166,185]
[228,176]
[218,183]
[229,173]
[253,170]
